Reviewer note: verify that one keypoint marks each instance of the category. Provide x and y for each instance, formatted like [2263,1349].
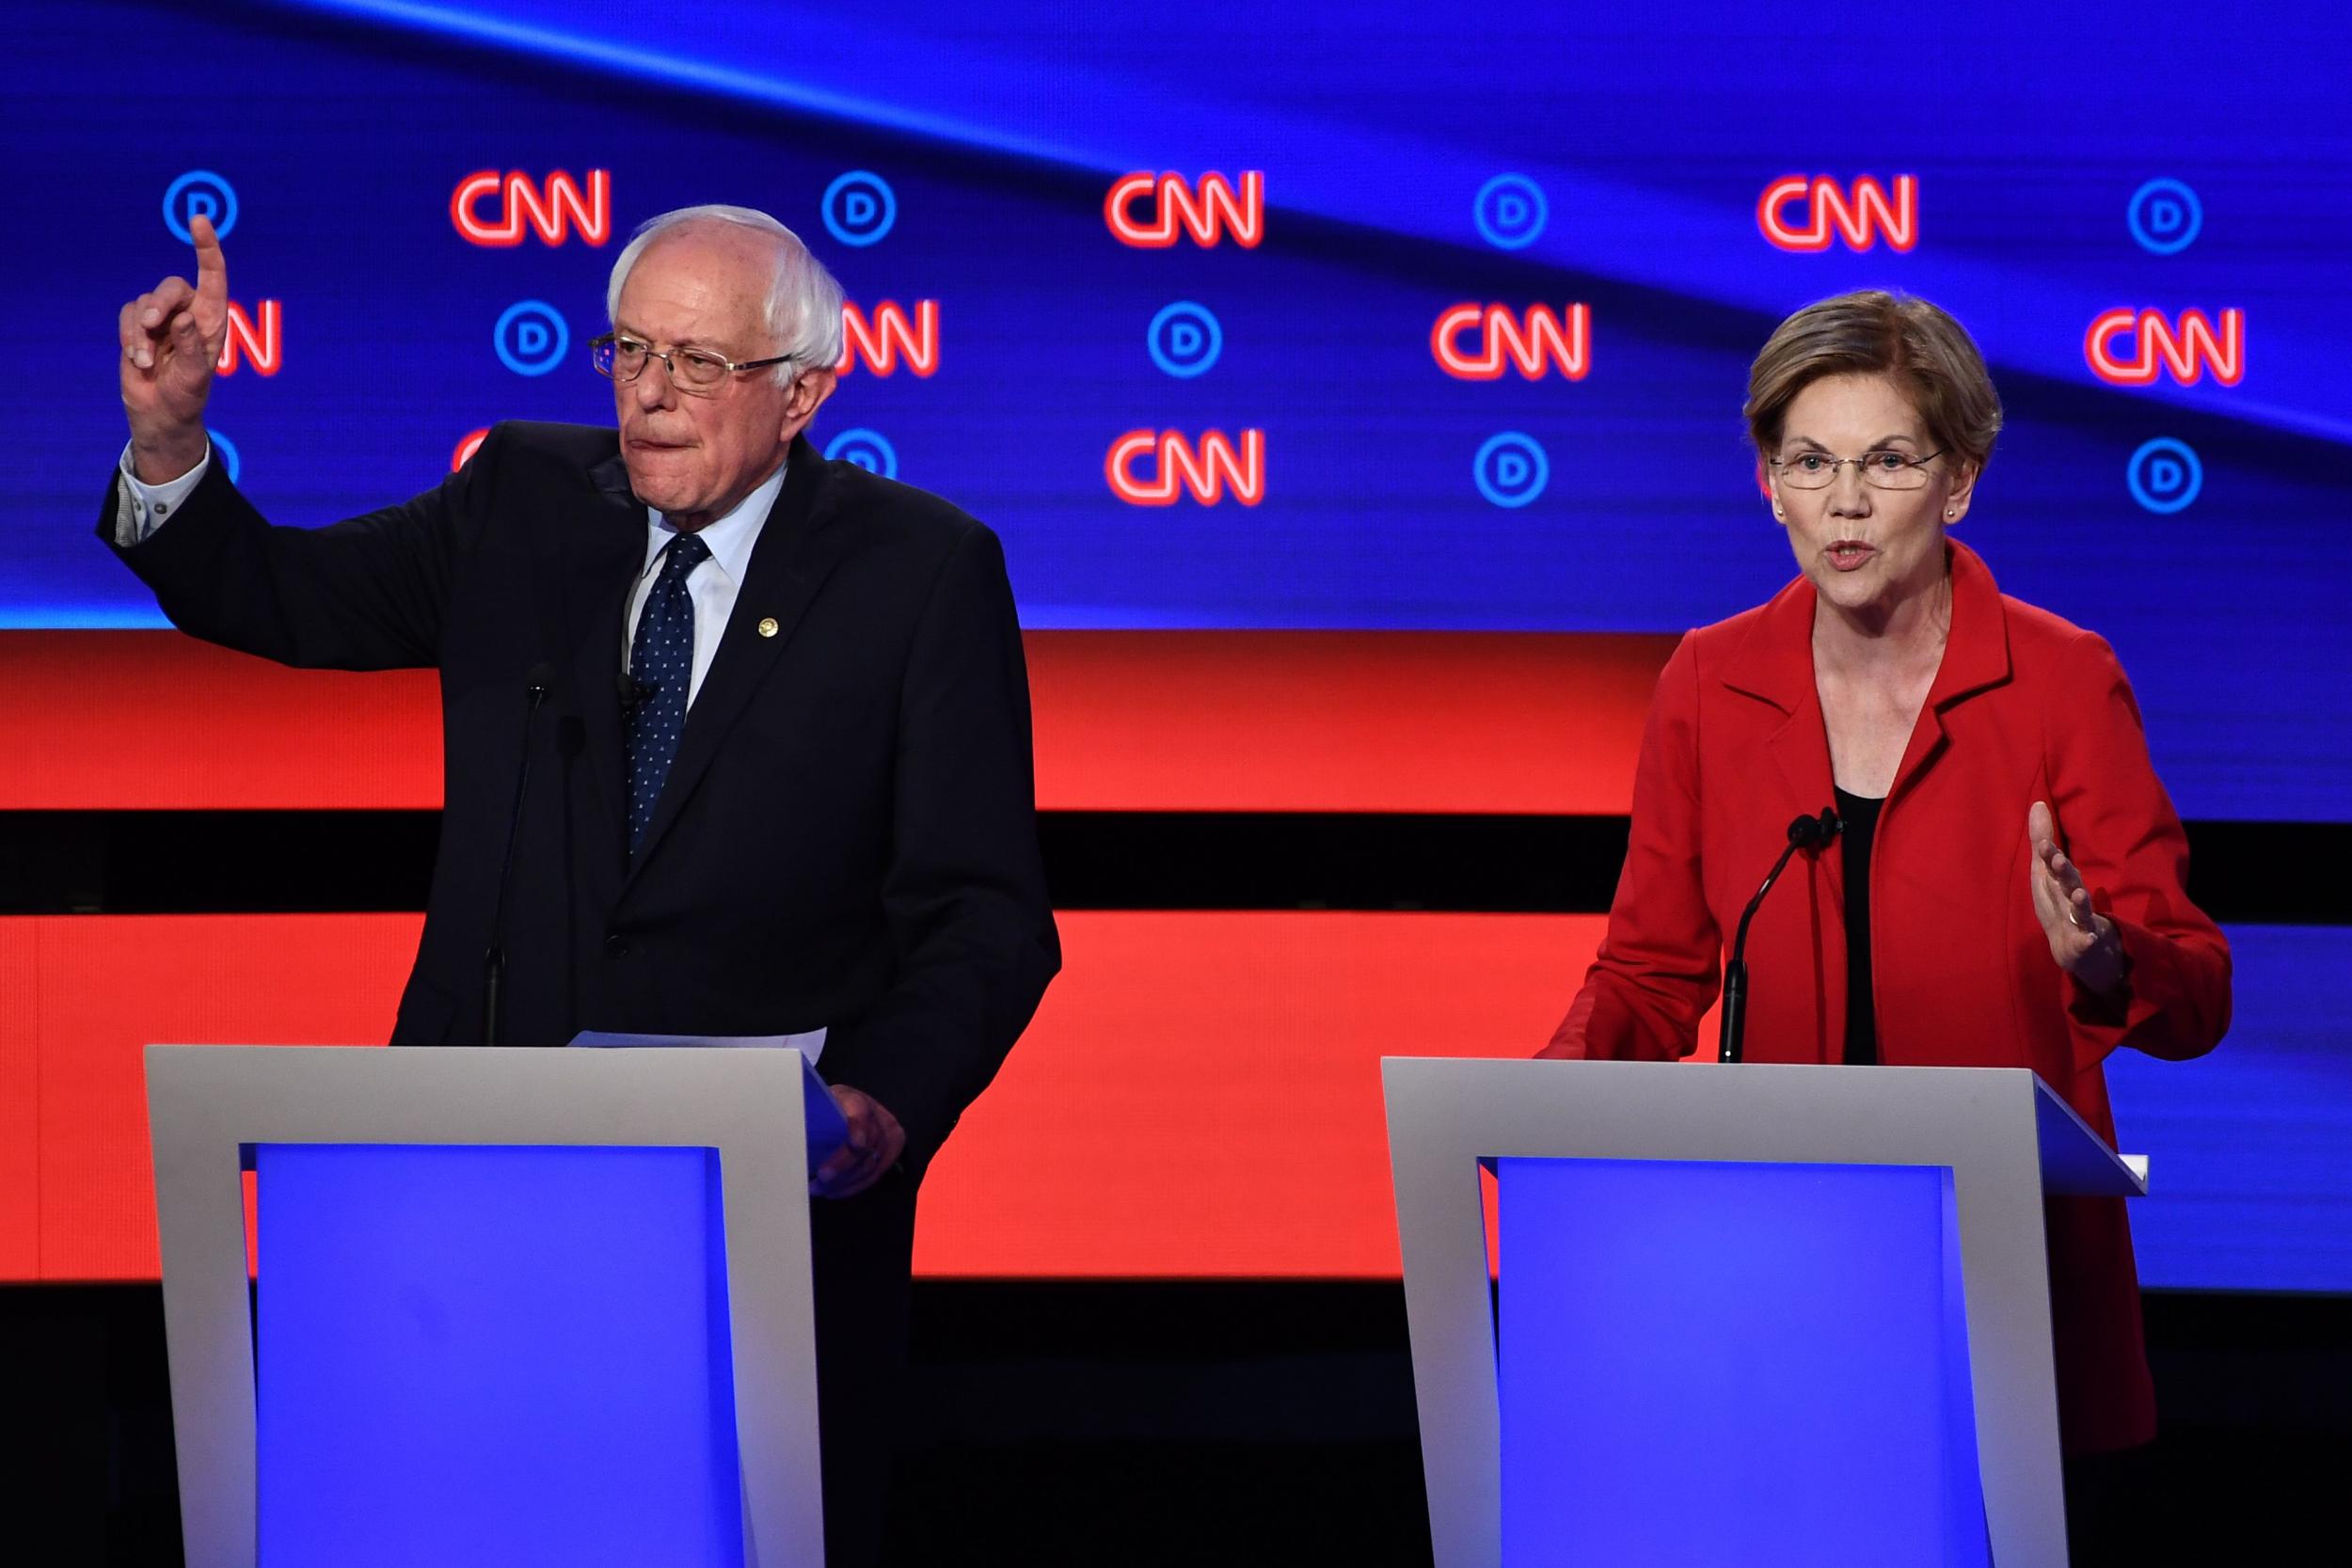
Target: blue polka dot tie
[661,662]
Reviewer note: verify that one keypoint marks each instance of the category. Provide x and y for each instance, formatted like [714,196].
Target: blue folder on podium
[513,1306]
[1768,1315]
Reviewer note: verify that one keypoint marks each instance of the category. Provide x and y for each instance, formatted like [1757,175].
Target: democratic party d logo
[1511,469]
[530,336]
[1185,340]
[1510,211]
[859,208]
[200,194]
[2165,217]
[2164,475]
[868,448]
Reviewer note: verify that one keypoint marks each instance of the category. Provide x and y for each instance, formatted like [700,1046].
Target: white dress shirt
[142,508]
[713,583]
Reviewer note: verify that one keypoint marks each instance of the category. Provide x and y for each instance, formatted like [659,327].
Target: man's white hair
[803,306]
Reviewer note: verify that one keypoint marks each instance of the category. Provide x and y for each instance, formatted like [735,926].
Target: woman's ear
[1963,490]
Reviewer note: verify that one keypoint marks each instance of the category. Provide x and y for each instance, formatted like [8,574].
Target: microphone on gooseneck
[536,687]
[1806,832]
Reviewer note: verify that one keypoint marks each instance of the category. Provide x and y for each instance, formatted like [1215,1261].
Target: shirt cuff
[141,508]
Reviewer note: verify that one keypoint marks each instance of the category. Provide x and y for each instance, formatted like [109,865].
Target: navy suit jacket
[847,837]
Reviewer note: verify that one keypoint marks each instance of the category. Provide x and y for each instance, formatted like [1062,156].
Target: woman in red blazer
[2008,888]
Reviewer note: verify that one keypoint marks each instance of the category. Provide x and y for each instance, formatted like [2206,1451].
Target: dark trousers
[862,1252]
[2110,1500]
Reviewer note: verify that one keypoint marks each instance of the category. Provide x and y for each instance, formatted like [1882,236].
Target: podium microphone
[536,687]
[1806,832]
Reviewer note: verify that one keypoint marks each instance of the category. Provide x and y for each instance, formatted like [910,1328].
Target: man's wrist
[159,460]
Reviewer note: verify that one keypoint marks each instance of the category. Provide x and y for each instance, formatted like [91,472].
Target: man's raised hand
[171,339]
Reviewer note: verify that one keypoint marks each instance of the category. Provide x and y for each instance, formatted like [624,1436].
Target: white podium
[1754,1313]
[513,1305]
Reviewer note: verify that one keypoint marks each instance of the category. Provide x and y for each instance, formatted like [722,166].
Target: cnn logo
[1205,471]
[1146,211]
[1474,342]
[882,341]
[256,340]
[1800,213]
[551,211]
[2154,345]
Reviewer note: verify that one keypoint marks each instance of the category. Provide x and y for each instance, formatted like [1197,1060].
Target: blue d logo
[530,336]
[1510,211]
[1185,340]
[2164,475]
[2164,216]
[1510,469]
[868,448]
[200,193]
[859,207]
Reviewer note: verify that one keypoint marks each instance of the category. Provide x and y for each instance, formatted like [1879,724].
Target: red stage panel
[1201,1094]
[110,985]
[19,1100]
[1198,1096]
[1403,721]
[152,720]
[1409,722]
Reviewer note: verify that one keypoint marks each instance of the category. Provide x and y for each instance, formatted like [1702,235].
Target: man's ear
[808,395]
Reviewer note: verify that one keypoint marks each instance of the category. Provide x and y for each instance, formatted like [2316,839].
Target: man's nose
[652,388]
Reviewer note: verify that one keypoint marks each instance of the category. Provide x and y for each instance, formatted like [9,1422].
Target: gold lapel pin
[767,627]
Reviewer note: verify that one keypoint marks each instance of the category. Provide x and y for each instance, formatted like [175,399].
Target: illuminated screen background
[953,166]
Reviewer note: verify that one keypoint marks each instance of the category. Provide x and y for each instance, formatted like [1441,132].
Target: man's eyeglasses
[620,357]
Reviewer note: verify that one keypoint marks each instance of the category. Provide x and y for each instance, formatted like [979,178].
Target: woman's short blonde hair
[1872,332]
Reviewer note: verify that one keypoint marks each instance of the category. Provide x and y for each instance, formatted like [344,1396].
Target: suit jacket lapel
[1975,657]
[799,543]
[603,556]
[1775,663]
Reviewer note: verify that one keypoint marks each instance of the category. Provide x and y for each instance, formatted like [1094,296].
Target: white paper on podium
[810,1044]
[827,1129]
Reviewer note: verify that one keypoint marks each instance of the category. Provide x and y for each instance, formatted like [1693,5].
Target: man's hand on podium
[876,1141]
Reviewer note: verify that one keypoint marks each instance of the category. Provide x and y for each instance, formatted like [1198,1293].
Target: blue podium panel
[516,1355]
[1719,1363]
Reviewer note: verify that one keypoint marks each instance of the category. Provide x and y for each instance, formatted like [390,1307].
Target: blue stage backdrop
[1064,318]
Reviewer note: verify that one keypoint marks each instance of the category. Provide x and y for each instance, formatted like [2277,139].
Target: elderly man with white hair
[778,707]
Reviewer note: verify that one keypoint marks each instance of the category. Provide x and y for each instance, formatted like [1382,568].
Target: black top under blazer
[847,839]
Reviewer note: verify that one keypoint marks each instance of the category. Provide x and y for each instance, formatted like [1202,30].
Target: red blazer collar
[1774,660]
